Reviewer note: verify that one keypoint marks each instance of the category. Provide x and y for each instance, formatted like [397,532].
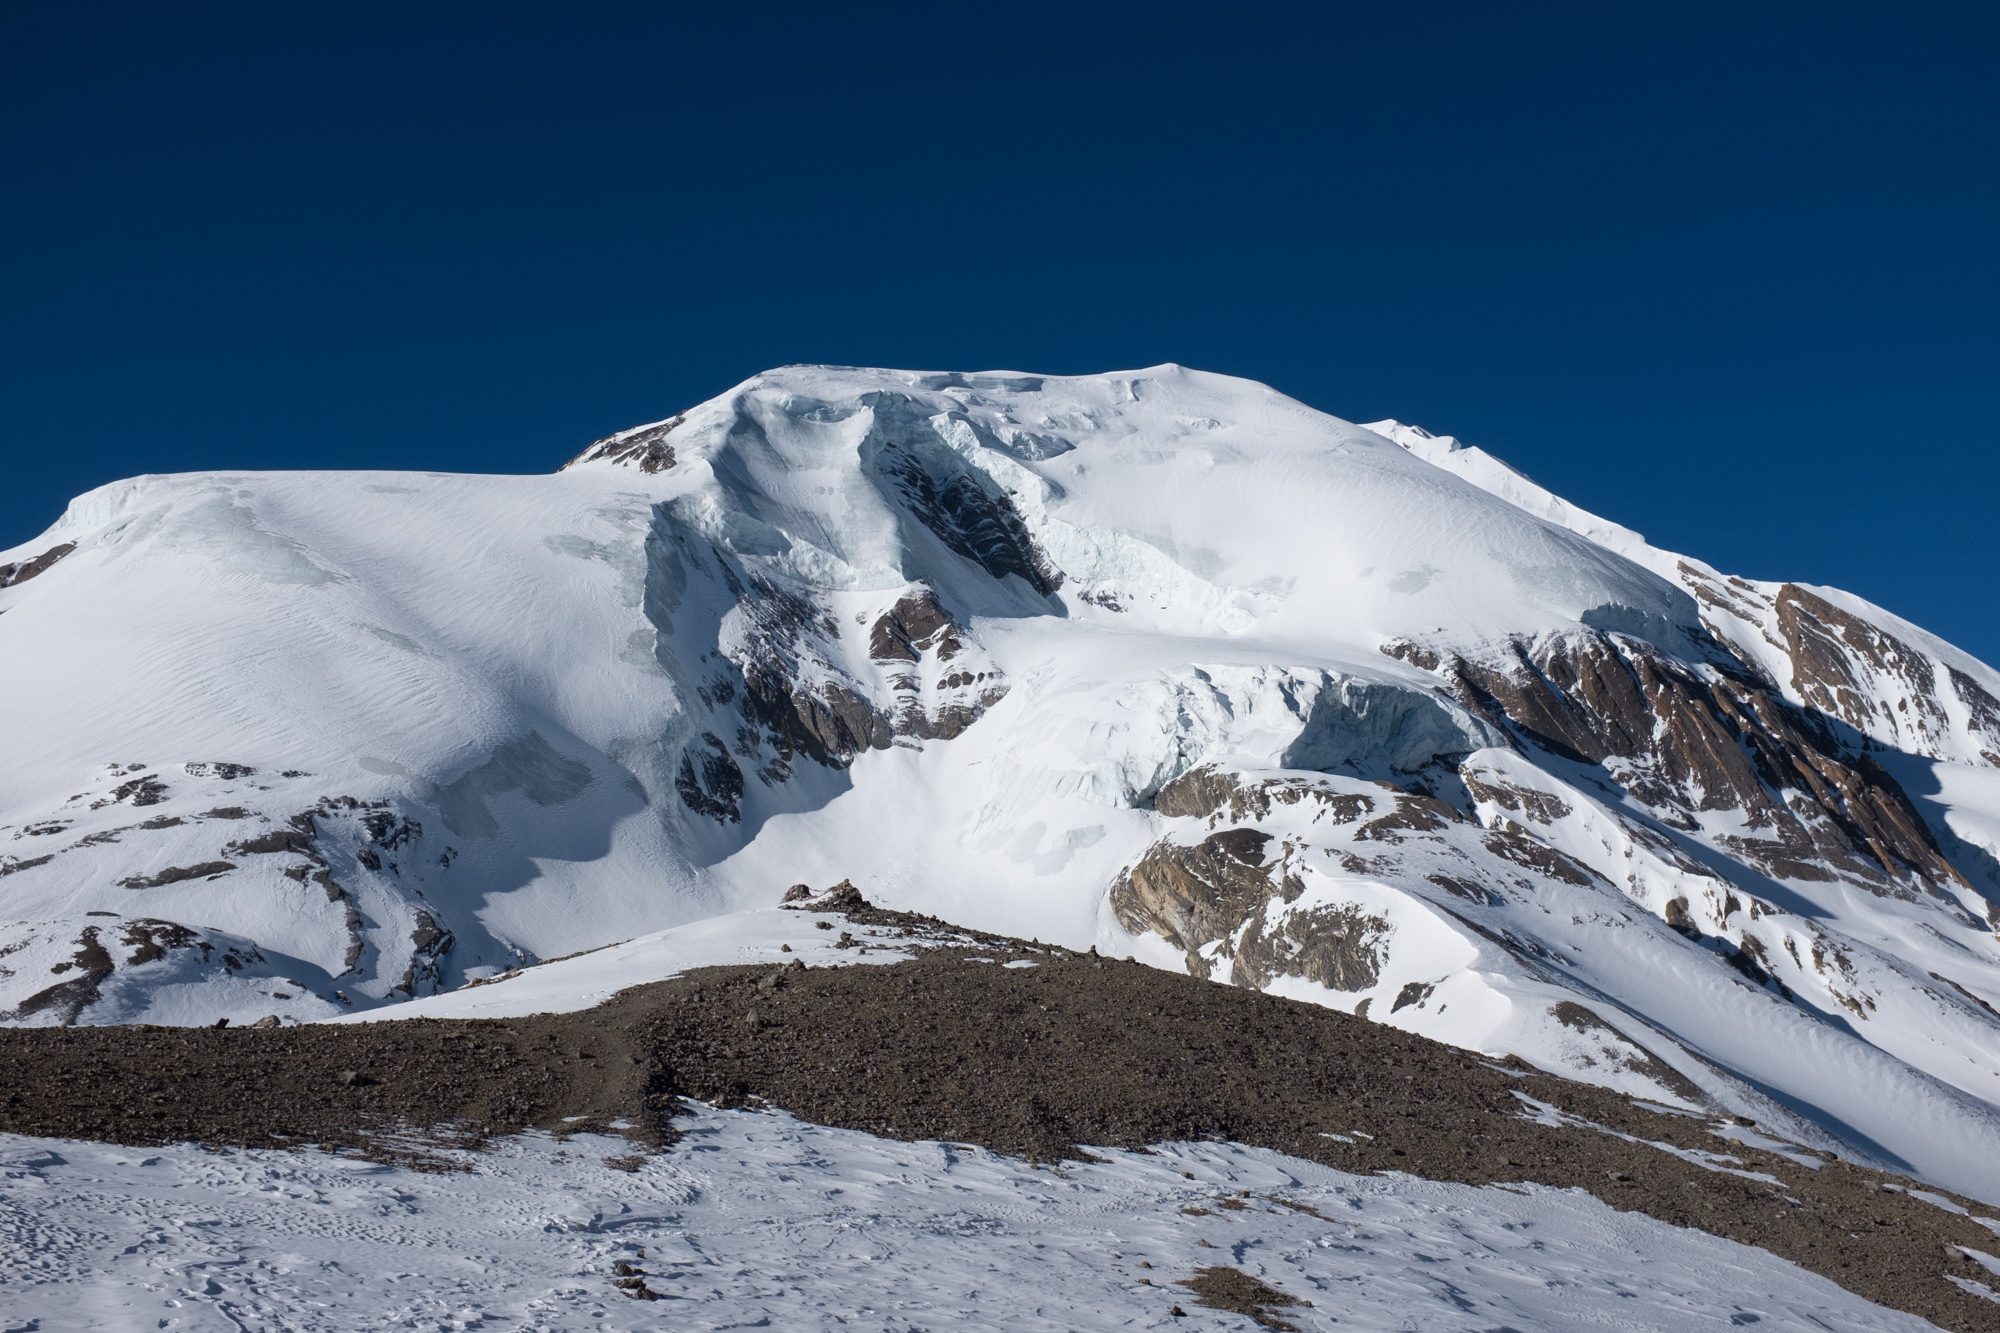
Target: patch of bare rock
[1220,1287]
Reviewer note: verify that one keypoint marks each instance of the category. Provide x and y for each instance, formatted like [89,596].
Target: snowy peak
[1115,480]
[1158,662]
[1495,477]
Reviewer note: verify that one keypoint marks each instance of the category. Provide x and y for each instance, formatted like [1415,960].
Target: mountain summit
[1161,663]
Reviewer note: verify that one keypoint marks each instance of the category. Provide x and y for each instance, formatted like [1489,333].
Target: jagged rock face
[1867,677]
[1825,643]
[783,642]
[1209,792]
[1249,901]
[1684,742]
[645,448]
[1193,895]
[1858,672]
[919,640]
[971,515]
[20,571]
[1223,899]
[912,627]
[1983,714]
[710,782]
[784,675]
[1338,947]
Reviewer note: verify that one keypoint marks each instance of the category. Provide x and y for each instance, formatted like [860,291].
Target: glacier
[1159,662]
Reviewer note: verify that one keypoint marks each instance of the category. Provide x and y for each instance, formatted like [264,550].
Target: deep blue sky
[1727,274]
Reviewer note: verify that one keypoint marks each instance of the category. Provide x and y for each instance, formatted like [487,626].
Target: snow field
[758,1220]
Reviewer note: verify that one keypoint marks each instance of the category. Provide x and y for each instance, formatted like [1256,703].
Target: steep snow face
[1192,500]
[1829,650]
[1160,662]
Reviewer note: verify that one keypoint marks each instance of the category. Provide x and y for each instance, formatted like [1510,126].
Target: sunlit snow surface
[757,1220]
[518,667]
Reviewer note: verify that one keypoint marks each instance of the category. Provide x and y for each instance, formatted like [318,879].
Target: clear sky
[1726,274]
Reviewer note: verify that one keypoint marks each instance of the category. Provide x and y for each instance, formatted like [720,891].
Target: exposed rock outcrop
[709,781]
[1215,794]
[1195,894]
[1687,742]
[23,570]
[1832,652]
[100,952]
[968,512]
[1232,899]
[645,448]
[784,696]
[914,626]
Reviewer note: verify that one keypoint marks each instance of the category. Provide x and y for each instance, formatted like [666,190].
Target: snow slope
[1158,662]
[758,1220]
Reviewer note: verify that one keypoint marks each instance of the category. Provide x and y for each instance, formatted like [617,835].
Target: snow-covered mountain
[1162,663]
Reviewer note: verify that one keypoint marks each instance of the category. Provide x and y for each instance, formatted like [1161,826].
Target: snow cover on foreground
[759,1220]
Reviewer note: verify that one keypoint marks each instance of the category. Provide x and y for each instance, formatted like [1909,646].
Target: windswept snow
[758,1220]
